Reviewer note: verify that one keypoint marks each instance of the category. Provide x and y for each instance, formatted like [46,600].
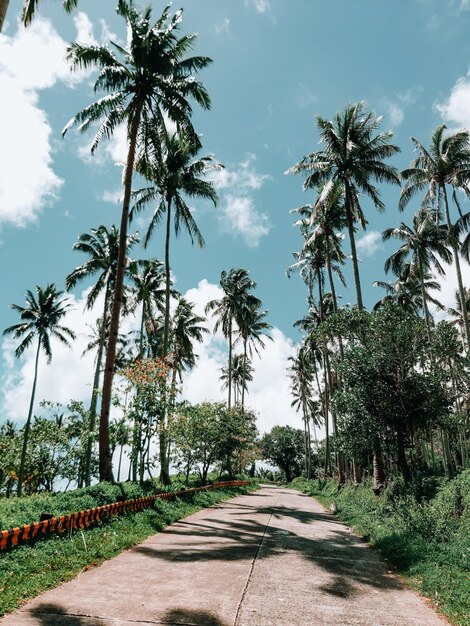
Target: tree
[29,9]
[101,246]
[423,244]
[40,320]
[445,163]
[284,447]
[241,373]
[236,285]
[150,78]
[353,156]
[175,173]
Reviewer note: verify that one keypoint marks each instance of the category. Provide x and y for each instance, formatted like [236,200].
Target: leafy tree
[40,320]
[284,447]
[150,78]
[208,433]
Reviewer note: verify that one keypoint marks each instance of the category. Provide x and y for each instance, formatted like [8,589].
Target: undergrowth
[422,529]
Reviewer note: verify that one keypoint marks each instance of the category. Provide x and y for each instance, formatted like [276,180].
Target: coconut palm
[176,174]
[353,156]
[101,246]
[446,163]
[456,312]
[237,286]
[424,244]
[407,291]
[186,330]
[40,319]
[252,329]
[148,279]
[29,9]
[241,372]
[150,78]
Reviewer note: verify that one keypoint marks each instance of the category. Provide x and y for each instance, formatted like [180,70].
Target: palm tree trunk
[28,423]
[105,461]
[166,331]
[349,217]
[94,393]
[230,364]
[244,375]
[463,301]
[3,11]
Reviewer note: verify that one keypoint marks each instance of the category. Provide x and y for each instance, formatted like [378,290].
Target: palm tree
[39,319]
[457,313]
[186,329]
[446,162]
[252,330]
[353,156]
[407,291]
[241,373]
[423,244]
[150,78]
[177,173]
[236,285]
[148,278]
[101,246]
[29,10]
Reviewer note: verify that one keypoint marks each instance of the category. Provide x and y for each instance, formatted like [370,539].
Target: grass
[426,539]
[29,570]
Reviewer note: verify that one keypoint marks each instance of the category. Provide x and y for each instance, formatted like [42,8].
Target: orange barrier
[84,519]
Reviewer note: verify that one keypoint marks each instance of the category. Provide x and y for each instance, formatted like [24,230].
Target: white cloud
[239,214]
[260,6]
[31,60]
[241,218]
[455,110]
[114,197]
[223,28]
[448,283]
[394,113]
[370,243]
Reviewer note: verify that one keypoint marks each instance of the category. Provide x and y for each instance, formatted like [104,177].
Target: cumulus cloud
[370,243]
[260,6]
[449,287]
[239,214]
[31,60]
[455,110]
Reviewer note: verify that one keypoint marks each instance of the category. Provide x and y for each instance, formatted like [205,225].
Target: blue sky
[277,64]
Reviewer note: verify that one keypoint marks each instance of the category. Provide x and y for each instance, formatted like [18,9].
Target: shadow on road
[55,615]
[338,552]
[178,617]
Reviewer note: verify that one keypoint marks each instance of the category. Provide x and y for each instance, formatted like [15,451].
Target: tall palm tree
[407,291]
[252,329]
[457,312]
[40,319]
[174,174]
[446,163]
[101,245]
[353,156]
[150,78]
[423,244]
[148,279]
[241,373]
[237,285]
[186,330]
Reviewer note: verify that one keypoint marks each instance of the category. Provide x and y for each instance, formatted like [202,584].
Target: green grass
[427,540]
[28,570]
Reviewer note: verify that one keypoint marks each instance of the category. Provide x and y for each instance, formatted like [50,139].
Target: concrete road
[271,558]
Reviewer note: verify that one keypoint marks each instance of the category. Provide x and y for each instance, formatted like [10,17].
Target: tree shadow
[55,615]
[345,557]
[180,617]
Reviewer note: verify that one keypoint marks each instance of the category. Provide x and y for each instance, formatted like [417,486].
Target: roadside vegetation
[422,530]
[28,570]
